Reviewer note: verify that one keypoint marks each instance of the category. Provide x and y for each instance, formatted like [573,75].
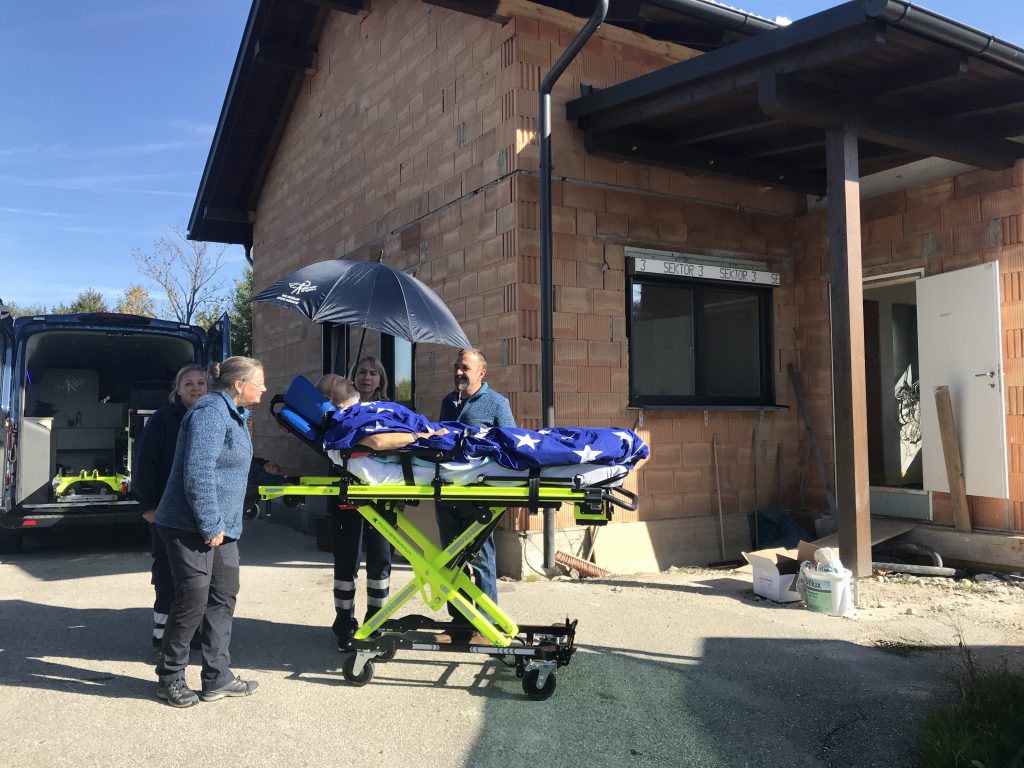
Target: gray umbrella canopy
[368,295]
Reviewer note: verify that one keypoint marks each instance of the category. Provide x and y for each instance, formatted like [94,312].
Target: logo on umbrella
[297,290]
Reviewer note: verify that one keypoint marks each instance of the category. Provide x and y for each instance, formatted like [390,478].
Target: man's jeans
[206,588]
[452,519]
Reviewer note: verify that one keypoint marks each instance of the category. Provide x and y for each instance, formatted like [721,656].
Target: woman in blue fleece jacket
[199,520]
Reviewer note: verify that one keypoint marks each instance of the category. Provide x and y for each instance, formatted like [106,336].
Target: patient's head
[340,391]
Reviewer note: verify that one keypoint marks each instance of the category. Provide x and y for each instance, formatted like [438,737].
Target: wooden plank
[881,530]
[848,377]
[812,441]
[951,453]
[993,551]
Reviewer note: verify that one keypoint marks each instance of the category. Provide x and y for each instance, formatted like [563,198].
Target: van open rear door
[218,340]
[6,387]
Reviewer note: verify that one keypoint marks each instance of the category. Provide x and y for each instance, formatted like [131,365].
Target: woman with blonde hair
[199,520]
[370,379]
[154,455]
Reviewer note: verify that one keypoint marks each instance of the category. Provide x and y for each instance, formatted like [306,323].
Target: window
[335,349]
[398,355]
[699,343]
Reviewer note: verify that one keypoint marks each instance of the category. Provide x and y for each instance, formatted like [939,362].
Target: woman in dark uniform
[153,458]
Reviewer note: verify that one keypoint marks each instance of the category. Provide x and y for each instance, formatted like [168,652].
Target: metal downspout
[546,309]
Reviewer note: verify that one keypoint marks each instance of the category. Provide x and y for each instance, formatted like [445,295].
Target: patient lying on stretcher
[493,455]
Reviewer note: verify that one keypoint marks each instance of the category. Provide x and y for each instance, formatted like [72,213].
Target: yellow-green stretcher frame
[62,483]
[435,577]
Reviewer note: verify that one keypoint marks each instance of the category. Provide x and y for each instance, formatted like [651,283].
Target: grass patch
[904,647]
[983,728]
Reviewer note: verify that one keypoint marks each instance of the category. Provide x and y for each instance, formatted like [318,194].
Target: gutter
[732,19]
[546,303]
[924,23]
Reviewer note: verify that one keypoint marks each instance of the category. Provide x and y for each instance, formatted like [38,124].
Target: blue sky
[108,112]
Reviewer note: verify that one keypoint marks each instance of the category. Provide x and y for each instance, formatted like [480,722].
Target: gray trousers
[206,587]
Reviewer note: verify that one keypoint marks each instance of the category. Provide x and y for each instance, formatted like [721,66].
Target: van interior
[85,398]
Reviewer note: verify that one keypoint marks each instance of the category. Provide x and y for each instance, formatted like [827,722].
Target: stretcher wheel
[347,671]
[535,692]
[387,655]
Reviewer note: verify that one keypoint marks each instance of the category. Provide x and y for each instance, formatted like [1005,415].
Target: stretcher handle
[630,503]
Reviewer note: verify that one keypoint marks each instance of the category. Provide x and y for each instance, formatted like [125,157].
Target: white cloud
[113,183]
[31,212]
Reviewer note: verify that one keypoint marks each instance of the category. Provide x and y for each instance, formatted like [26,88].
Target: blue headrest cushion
[306,402]
[300,425]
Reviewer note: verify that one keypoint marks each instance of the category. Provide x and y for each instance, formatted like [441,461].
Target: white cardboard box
[775,570]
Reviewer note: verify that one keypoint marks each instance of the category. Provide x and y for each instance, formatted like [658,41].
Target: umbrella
[369,295]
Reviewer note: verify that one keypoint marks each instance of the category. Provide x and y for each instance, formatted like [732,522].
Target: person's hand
[217,540]
[272,467]
[149,515]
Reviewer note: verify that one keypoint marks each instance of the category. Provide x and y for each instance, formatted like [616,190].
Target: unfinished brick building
[404,127]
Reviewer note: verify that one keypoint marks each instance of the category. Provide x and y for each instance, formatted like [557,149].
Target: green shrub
[984,728]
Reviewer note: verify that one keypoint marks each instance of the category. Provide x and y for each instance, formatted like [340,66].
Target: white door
[960,346]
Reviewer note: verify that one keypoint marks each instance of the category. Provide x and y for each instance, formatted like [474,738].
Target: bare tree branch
[189,272]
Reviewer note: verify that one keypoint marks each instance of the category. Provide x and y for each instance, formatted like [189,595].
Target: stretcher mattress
[387,470]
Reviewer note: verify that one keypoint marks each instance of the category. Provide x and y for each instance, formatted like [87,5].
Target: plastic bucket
[828,592]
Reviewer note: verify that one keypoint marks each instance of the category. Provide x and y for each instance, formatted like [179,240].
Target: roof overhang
[277,51]
[911,83]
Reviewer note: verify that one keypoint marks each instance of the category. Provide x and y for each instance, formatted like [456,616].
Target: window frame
[701,400]
[388,354]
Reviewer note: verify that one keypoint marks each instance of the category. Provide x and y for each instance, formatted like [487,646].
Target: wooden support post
[951,452]
[848,376]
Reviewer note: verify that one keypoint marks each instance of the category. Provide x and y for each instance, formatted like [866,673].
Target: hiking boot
[237,687]
[177,693]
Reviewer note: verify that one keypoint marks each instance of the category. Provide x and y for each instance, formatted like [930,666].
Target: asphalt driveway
[674,669]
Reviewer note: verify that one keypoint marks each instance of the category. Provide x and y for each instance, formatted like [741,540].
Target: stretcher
[70,488]
[440,575]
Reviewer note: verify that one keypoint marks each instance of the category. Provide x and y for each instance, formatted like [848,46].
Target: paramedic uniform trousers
[452,519]
[206,580]
[350,534]
[163,585]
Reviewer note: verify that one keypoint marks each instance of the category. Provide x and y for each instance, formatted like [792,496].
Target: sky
[108,113]
[109,109]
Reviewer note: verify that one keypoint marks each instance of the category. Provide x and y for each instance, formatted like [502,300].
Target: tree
[22,310]
[135,300]
[89,300]
[204,318]
[189,272]
[240,313]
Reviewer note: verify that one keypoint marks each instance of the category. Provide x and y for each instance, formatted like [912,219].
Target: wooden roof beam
[642,147]
[229,215]
[285,56]
[929,73]
[344,6]
[808,104]
[722,127]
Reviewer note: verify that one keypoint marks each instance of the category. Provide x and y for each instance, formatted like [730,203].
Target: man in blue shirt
[472,402]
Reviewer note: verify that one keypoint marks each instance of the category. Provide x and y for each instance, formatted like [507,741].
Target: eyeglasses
[259,385]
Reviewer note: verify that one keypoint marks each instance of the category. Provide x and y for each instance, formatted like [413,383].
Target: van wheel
[10,542]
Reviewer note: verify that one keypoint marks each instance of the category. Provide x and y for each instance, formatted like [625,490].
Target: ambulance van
[75,392]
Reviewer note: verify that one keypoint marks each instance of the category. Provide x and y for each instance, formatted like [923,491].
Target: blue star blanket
[511,447]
